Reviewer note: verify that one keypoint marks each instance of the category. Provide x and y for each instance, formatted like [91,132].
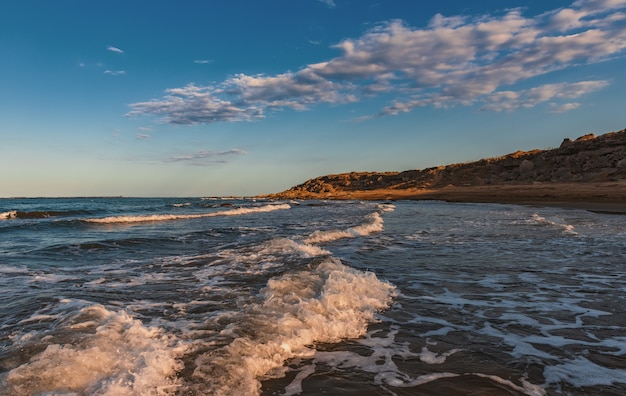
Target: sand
[602,197]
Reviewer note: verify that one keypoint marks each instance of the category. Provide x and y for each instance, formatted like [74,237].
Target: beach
[609,197]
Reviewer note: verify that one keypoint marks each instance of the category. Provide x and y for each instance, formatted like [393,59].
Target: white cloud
[115,49]
[115,72]
[142,136]
[509,100]
[196,105]
[203,61]
[145,129]
[453,61]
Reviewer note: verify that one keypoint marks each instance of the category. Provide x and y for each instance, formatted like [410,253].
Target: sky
[223,98]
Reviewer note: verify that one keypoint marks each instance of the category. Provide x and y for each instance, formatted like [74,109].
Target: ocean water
[129,296]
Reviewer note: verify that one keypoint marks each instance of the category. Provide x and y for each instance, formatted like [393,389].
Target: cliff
[588,159]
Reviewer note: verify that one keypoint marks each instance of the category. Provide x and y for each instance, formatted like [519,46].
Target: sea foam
[373,224]
[8,215]
[116,355]
[165,217]
[327,303]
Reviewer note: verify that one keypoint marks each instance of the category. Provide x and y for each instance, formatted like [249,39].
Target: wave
[39,214]
[111,354]
[180,205]
[374,224]
[325,304]
[166,217]
[8,215]
[104,351]
[567,228]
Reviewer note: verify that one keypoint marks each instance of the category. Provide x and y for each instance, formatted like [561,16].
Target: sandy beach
[609,197]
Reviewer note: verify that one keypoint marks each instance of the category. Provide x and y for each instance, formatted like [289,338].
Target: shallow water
[195,296]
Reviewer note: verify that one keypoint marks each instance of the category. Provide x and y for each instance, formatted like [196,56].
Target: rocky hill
[587,159]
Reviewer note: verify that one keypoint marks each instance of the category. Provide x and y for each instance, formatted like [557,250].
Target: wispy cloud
[562,108]
[453,61]
[142,136]
[329,3]
[115,49]
[115,72]
[145,129]
[206,157]
[203,61]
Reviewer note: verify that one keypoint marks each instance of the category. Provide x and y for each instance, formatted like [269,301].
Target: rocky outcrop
[586,159]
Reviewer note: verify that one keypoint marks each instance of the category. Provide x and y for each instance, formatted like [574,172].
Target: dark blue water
[129,296]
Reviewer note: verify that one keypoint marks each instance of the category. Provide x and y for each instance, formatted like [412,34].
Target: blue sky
[204,98]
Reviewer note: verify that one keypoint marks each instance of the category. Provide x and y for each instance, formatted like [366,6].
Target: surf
[168,217]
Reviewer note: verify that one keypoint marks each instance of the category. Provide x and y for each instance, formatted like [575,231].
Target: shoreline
[599,197]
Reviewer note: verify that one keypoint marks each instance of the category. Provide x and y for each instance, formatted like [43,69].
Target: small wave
[51,278]
[386,207]
[38,214]
[374,224]
[13,270]
[567,228]
[8,215]
[166,217]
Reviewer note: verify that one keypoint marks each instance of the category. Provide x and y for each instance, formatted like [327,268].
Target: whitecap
[325,304]
[373,224]
[12,214]
[121,357]
[166,217]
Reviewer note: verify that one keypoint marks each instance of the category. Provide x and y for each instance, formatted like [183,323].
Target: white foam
[374,224]
[167,217]
[39,318]
[567,228]
[582,372]
[324,304]
[8,215]
[51,278]
[386,207]
[295,387]
[13,270]
[285,245]
[421,380]
[122,357]
[429,357]
[527,388]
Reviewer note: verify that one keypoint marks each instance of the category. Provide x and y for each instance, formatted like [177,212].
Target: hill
[591,168]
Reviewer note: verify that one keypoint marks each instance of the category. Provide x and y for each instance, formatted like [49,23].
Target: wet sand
[602,197]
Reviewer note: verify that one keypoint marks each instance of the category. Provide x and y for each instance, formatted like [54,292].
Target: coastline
[600,197]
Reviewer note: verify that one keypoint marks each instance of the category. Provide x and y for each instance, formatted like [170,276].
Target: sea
[242,296]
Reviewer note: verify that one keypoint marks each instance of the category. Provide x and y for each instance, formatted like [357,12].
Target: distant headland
[589,172]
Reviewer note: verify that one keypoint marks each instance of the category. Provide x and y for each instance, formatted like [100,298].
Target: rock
[589,136]
[589,158]
[526,167]
[566,142]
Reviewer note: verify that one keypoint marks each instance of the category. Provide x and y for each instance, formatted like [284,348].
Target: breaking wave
[166,217]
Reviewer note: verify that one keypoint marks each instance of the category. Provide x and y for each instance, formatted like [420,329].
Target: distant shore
[601,197]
